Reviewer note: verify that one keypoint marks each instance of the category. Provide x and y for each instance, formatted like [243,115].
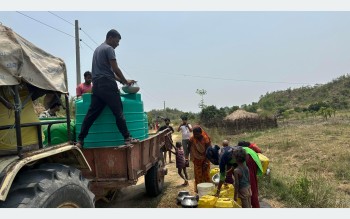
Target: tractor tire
[50,186]
[154,179]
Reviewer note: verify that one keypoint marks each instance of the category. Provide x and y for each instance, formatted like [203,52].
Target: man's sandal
[130,140]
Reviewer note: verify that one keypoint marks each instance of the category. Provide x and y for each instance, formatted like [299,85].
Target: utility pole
[77,51]
[164,109]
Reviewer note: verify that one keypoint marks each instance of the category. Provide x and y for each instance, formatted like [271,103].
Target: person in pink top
[85,87]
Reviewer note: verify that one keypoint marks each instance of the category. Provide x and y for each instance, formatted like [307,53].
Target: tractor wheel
[154,179]
[50,186]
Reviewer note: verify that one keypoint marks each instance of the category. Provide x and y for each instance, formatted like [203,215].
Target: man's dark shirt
[165,127]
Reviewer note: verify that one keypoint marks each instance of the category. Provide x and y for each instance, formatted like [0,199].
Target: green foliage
[251,107]
[229,110]
[334,94]
[317,106]
[303,192]
[211,116]
[173,114]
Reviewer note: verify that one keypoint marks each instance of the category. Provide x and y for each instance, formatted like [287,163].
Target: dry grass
[313,153]
[309,160]
[238,114]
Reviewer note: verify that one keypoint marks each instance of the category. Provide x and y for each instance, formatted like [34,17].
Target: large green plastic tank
[104,132]
[58,132]
[146,125]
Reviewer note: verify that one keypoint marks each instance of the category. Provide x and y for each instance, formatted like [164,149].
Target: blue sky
[235,56]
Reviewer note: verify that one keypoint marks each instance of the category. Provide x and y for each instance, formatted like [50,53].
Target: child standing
[181,162]
[166,126]
[242,180]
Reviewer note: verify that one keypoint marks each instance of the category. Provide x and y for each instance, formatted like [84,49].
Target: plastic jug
[207,201]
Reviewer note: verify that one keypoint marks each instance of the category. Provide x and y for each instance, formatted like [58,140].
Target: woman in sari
[199,143]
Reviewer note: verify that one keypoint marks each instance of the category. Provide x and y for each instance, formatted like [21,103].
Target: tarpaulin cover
[21,61]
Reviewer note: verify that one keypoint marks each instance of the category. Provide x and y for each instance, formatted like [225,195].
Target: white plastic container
[205,188]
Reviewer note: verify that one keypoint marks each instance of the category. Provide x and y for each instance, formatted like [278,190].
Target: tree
[201,92]
[211,116]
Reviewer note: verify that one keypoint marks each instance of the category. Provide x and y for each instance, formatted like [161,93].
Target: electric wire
[240,80]
[86,45]
[79,29]
[153,97]
[45,24]
[61,18]
[88,36]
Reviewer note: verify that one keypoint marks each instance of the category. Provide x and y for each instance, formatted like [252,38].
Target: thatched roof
[239,114]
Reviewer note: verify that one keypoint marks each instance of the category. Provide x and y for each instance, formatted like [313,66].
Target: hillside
[335,93]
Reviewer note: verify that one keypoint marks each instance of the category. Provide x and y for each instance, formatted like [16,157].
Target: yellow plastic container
[224,203]
[264,162]
[227,191]
[237,204]
[213,172]
[227,203]
[207,201]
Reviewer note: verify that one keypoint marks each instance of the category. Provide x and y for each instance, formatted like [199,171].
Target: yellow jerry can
[207,201]
[227,191]
[224,203]
[264,162]
[227,203]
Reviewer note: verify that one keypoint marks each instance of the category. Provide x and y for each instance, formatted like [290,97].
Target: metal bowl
[189,202]
[133,89]
[181,195]
[216,179]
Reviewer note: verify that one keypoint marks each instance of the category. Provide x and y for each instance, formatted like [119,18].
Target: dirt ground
[136,197]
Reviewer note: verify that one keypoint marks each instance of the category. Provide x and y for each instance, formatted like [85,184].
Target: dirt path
[136,197]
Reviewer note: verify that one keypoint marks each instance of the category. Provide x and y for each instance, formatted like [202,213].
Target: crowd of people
[239,164]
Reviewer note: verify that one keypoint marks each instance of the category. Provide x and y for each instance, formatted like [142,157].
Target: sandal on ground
[131,140]
[185,183]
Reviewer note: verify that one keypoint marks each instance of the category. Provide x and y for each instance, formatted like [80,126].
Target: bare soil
[136,197]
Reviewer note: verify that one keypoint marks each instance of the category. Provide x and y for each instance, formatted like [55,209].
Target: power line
[79,28]
[231,79]
[74,25]
[61,18]
[87,45]
[88,36]
[45,24]
[155,99]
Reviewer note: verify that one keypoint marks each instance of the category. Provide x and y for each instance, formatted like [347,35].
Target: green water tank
[58,132]
[146,124]
[104,132]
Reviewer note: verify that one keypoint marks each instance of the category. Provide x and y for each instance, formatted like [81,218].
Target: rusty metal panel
[146,152]
[107,162]
[89,156]
[134,161]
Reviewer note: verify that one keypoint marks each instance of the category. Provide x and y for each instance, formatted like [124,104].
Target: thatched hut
[241,114]
[241,121]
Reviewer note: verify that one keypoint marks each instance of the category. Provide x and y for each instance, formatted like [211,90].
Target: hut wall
[248,124]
